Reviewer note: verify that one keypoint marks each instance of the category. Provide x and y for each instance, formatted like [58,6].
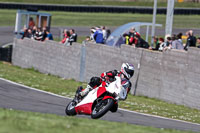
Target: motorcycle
[99,100]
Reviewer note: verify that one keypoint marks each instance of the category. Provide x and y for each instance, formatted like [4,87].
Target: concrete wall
[172,76]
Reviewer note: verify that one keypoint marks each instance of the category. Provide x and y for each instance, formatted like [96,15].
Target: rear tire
[102,108]
[70,109]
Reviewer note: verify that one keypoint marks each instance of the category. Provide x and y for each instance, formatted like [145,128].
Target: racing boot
[84,92]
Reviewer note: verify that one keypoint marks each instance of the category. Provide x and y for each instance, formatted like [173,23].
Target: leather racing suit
[108,77]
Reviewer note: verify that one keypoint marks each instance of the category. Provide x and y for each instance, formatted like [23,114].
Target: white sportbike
[99,100]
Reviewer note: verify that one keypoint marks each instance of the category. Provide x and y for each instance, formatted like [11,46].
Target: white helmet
[127,70]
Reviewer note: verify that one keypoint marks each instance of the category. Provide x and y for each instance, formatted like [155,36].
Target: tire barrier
[6,54]
[109,9]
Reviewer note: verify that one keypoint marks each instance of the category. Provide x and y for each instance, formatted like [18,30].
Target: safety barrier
[172,76]
[109,9]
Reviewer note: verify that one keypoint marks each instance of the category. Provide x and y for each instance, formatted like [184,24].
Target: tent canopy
[116,37]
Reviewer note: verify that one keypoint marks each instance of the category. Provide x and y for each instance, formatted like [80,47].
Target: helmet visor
[130,72]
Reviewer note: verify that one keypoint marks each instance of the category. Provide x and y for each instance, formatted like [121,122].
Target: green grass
[107,19]
[107,2]
[27,122]
[67,88]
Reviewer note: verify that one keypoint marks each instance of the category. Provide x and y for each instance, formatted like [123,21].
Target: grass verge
[107,19]
[57,85]
[22,122]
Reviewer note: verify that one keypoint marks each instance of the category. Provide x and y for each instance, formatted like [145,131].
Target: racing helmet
[128,70]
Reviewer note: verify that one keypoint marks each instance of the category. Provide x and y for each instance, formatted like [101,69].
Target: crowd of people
[134,39]
[100,34]
[69,36]
[37,34]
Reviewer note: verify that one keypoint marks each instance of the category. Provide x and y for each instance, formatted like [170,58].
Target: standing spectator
[92,31]
[66,35]
[156,41]
[49,35]
[108,33]
[168,43]
[98,35]
[44,34]
[103,28]
[198,42]
[73,36]
[126,38]
[191,40]
[31,23]
[176,44]
[162,44]
[179,36]
[141,43]
[132,34]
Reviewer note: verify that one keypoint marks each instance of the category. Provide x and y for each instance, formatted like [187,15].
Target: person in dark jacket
[191,40]
[141,43]
[73,36]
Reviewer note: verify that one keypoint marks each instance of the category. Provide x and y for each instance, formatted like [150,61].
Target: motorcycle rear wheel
[70,109]
[102,108]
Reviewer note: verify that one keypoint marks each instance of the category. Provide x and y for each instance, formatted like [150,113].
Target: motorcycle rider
[127,71]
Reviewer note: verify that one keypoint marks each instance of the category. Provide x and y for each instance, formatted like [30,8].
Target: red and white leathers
[108,77]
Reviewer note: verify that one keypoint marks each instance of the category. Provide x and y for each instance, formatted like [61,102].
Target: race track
[20,97]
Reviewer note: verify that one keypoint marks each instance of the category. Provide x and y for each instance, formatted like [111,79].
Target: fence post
[82,62]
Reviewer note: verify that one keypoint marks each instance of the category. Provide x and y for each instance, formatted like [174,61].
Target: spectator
[198,42]
[38,35]
[92,31]
[141,43]
[49,35]
[162,44]
[31,23]
[34,31]
[191,40]
[132,34]
[126,36]
[73,36]
[98,35]
[176,44]
[44,34]
[103,28]
[179,36]
[66,35]
[87,38]
[29,34]
[24,33]
[168,43]
[108,33]
[156,41]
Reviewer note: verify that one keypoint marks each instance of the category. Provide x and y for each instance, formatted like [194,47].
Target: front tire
[70,109]
[102,108]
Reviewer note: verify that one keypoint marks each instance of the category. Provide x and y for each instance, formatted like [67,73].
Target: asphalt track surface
[19,97]
[7,32]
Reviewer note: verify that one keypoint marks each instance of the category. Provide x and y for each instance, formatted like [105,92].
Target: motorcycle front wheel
[70,109]
[102,108]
